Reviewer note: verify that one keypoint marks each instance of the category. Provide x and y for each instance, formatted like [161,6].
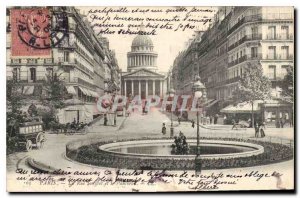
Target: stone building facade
[79,59]
[240,36]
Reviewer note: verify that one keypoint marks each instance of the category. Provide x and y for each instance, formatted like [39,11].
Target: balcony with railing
[27,77]
[80,81]
[276,16]
[279,37]
[233,80]
[260,17]
[237,61]
[236,26]
[244,58]
[278,57]
[244,39]
[15,61]
[66,62]
[19,61]
[251,18]
[48,61]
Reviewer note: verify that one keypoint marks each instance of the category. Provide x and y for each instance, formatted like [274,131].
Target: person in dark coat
[234,124]
[179,120]
[164,129]
[256,127]
[282,122]
[105,120]
[262,130]
[216,118]
[193,123]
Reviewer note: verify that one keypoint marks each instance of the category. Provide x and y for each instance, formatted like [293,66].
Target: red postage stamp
[30,32]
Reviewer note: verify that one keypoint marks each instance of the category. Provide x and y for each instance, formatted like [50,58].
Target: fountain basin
[161,148]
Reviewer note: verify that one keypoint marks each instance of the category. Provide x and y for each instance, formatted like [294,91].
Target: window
[16,74]
[49,72]
[272,72]
[285,32]
[254,31]
[271,32]
[285,52]
[66,56]
[272,52]
[32,74]
[253,52]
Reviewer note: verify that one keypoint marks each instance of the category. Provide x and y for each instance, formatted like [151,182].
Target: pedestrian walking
[179,120]
[216,118]
[250,123]
[256,127]
[262,130]
[193,123]
[224,119]
[164,129]
[105,120]
[234,124]
[282,122]
[207,121]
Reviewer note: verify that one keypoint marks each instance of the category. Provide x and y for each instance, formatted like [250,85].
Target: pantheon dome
[142,76]
[142,55]
[142,40]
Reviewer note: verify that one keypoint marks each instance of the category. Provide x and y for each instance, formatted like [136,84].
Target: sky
[167,43]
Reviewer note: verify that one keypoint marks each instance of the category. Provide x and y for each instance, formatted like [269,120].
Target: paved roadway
[137,125]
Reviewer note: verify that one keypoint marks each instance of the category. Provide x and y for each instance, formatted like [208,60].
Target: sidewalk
[99,127]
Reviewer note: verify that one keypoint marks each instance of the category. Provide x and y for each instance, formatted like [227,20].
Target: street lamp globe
[171,92]
[198,87]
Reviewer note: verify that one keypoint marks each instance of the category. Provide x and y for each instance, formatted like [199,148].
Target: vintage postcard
[149,99]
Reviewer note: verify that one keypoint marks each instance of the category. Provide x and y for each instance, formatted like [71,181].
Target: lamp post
[171,93]
[199,91]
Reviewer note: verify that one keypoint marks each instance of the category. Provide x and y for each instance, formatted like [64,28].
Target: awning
[84,91]
[28,90]
[88,92]
[211,103]
[207,102]
[73,101]
[275,103]
[244,107]
[94,94]
[71,90]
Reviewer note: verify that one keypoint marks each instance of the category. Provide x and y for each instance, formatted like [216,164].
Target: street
[135,126]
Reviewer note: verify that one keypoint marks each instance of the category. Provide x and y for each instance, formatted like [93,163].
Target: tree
[54,99]
[288,86]
[14,115]
[56,93]
[252,86]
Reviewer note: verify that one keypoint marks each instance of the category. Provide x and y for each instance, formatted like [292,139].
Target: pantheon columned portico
[142,76]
